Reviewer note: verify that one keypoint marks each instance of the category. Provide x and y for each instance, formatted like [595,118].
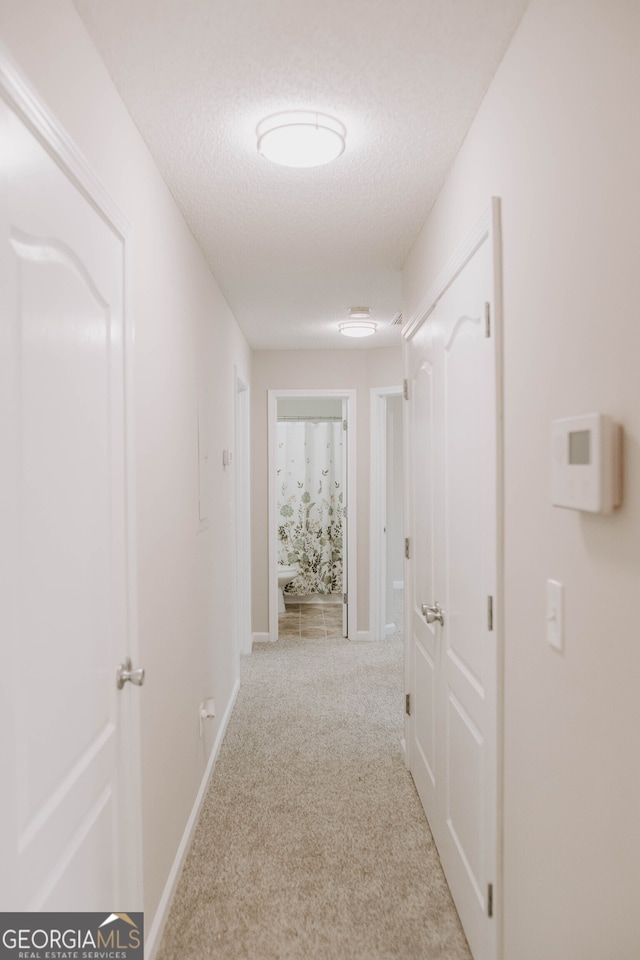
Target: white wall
[558,139]
[313,370]
[186,341]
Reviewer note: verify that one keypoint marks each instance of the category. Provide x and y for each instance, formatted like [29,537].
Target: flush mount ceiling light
[301,138]
[359,323]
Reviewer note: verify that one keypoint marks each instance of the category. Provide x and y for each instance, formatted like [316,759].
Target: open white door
[454,583]
[69,807]
[420,637]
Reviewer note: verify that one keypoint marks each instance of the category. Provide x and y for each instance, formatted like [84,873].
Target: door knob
[126,672]
[432,612]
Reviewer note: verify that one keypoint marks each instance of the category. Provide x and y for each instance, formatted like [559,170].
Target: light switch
[555,614]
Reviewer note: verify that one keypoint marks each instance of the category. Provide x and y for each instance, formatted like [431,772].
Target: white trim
[352,507]
[476,237]
[260,638]
[26,103]
[407,569]
[378,508]
[154,937]
[363,636]
[495,236]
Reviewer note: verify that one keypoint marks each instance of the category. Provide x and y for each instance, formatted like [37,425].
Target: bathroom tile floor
[312,621]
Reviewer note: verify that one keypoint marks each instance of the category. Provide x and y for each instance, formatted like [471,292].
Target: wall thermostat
[586,463]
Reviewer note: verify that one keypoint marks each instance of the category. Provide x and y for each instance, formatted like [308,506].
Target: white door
[69,814]
[453,403]
[421,638]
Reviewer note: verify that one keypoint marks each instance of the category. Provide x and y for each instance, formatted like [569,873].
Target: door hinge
[345,598]
[344,424]
[487,319]
[490,900]
[489,613]
[405,389]
[407,704]
[406,548]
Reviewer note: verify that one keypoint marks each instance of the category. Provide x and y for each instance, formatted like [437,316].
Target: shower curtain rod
[309,419]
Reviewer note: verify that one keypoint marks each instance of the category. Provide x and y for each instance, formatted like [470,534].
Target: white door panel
[425,711]
[467,576]
[463,813]
[454,530]
[70,815]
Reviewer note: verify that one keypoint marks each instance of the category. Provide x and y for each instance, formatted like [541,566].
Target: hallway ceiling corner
[292,249]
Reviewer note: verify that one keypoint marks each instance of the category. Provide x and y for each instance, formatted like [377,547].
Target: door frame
[378,497]
[352,511]
[486,229]
[242,479]
[27,105]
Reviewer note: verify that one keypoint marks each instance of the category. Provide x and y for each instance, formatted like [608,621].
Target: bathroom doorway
[311,528]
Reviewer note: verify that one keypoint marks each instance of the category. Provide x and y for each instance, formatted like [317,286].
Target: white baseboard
[363,636]
[153,938]
[260,638]
[389,629]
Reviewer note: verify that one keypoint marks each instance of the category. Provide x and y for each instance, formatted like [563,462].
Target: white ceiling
[292,250]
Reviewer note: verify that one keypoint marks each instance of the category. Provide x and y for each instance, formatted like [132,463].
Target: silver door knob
[432,612]
[125,672]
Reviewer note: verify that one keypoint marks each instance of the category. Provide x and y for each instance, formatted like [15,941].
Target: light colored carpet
[312,843]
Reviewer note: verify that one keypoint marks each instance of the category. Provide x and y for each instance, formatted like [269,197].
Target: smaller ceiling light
[359,323]
[301,138]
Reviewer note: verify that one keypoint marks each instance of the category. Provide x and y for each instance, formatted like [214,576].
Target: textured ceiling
[292,250]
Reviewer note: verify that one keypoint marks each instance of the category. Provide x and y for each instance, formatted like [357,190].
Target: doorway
[311,502]
[70,812]
[243,523]
[454,575]
[386,607]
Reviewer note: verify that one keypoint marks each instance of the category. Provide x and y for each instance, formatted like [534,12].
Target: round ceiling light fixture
[301,138]
[359,323]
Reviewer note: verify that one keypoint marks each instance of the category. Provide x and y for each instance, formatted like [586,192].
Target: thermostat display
[586,463]
[580,447]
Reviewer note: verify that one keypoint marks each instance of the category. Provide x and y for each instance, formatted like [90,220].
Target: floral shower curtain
[310,502]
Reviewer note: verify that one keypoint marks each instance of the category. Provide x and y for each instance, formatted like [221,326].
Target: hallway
[311,841]
[160,280]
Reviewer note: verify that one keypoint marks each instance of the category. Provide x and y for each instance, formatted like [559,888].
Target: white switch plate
[555,614]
